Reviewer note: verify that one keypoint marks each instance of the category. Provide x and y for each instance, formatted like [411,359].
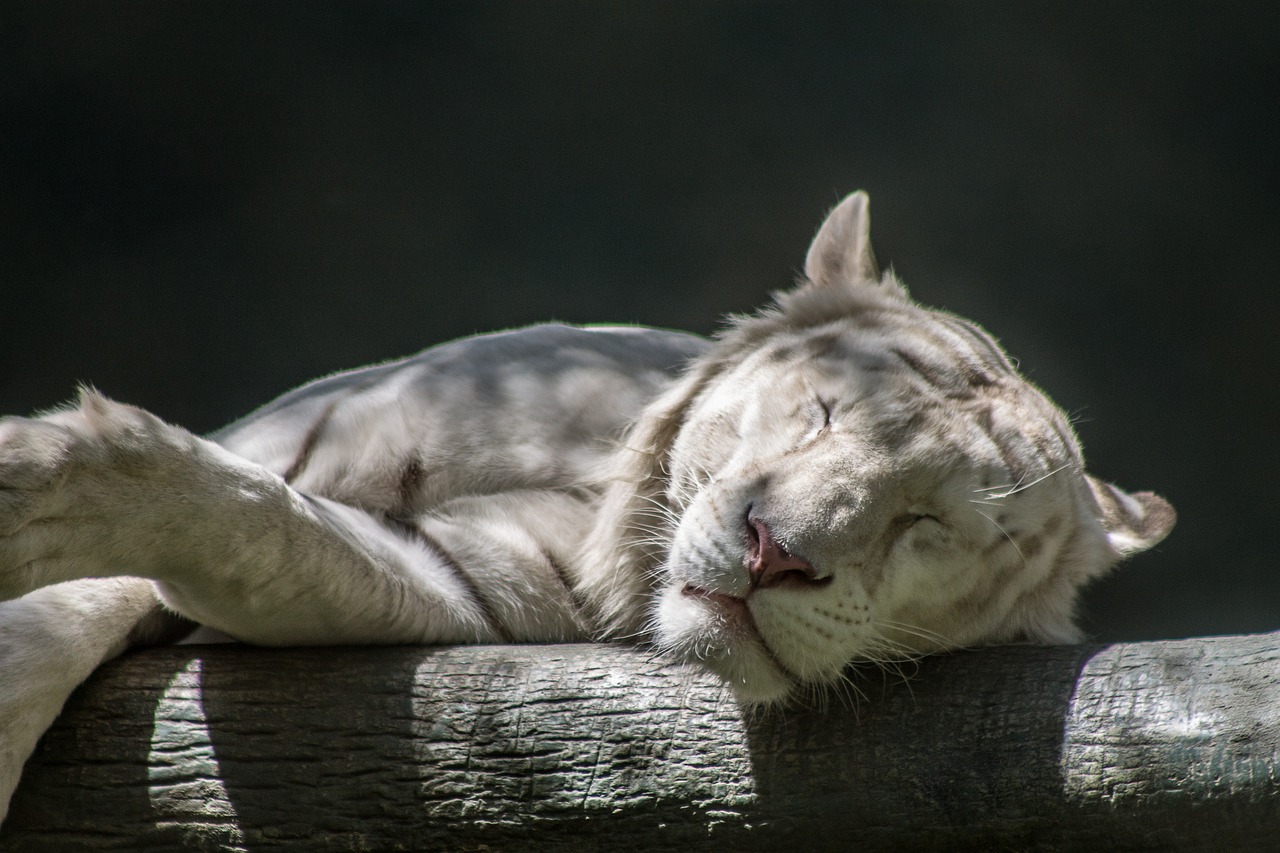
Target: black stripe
[576,598]
[1066,437]
[985,420]
[996,357]
[314,434]
[957,381]
[961,343]
[411,478]
[923,369]
[433,545]
[309,442]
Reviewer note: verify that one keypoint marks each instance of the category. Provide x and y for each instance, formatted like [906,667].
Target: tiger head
[849,476]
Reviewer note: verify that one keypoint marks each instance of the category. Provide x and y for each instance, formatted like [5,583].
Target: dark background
[202,205]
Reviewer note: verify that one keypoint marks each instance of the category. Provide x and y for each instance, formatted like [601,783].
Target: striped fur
[843,476]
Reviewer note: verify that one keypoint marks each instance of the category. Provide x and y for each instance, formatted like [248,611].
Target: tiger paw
[77,483]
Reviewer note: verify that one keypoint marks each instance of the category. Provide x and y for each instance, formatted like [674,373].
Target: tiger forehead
[941,351]
[841,347]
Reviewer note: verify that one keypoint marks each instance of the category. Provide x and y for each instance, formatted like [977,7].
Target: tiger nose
[769,564]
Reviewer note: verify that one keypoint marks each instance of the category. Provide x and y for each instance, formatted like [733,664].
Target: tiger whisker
[1007,535]
[1018,486]
[914,630]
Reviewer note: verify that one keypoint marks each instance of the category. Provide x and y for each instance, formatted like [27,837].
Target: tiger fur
[844,476]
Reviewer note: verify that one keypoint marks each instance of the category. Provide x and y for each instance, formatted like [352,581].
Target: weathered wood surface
[1152,746]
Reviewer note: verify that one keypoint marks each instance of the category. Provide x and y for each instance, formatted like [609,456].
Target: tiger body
[846,476]
[485,455]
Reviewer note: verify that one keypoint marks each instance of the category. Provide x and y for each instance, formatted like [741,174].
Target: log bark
[1146,746]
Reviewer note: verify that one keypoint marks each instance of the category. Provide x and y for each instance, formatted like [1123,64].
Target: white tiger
[844,476]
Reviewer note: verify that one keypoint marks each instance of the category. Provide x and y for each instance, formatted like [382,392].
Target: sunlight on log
[1146,746]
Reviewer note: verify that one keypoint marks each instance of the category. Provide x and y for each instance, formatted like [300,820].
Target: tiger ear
[1133,521]
[841,252]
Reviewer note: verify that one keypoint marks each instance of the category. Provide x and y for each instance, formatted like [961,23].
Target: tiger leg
[110,490]
[51,640]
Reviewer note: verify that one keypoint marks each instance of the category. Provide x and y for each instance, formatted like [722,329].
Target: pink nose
[769,564]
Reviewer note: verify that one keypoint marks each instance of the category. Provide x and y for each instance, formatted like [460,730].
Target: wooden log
[1145,746]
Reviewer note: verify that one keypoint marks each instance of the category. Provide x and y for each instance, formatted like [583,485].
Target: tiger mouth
[734,612]
[737,614]
[731,605]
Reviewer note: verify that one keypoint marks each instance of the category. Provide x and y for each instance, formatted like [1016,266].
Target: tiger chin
[848,476]
[845,476]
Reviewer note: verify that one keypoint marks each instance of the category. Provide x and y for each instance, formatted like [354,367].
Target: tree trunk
[1145,746]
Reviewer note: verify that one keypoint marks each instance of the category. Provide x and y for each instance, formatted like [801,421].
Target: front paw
[71,484]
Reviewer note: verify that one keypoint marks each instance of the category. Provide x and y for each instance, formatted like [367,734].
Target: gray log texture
[1148,746]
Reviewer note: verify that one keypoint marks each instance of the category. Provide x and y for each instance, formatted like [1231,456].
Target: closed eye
[908,520]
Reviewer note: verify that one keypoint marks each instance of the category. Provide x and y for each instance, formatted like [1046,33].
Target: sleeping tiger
[844,476]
